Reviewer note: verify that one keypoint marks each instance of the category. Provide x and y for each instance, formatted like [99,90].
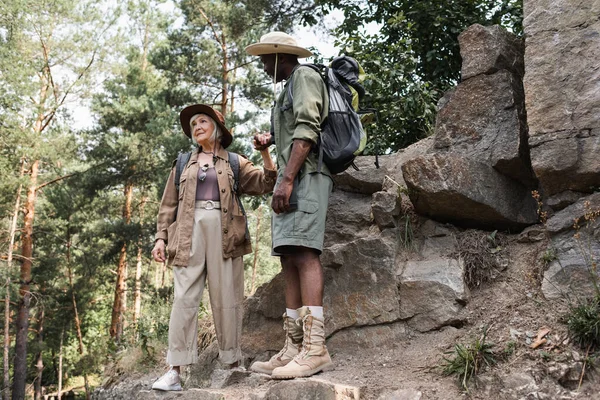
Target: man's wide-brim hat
[187,113]
[277,42]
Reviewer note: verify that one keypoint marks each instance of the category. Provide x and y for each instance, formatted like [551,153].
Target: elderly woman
[204,227]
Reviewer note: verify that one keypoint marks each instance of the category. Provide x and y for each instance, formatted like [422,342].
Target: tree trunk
[39,364]
[9,257]
[137,297]
[60,362]
[22,323]
[225,87]
[76,315]
[116,324]
[258,215]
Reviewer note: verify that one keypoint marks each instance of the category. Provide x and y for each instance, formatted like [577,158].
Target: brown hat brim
[187,113]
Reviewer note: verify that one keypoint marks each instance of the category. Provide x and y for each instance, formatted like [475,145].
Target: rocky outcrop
[371,286]
[562,93]
[572,251]
[478,172]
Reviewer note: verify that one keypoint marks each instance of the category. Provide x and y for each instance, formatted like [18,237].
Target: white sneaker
[168,382]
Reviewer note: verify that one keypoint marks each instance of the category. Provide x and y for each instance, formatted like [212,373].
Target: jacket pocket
[172,240]
[238,228]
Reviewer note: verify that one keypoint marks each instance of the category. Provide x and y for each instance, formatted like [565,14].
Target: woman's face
[202,130]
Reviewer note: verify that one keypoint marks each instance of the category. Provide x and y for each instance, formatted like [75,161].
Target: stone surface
[432,293]
[553,15]
[566,218]
[563,199]
[385,207]
[568,276]
[451,188]
[368,179]
[562,91]
[311,389]
[401,394]
[489,49]
[348,216]
[567,161]
[483,119]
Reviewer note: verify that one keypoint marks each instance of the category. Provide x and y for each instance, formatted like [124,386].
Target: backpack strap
[316,67]
[322,70]
[234,163]
[182,160]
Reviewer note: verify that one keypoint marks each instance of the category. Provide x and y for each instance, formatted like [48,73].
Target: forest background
[78,205]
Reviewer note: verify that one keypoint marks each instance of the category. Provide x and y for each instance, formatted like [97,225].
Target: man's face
[268,61]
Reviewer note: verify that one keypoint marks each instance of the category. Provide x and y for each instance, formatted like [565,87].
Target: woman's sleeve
[168,208]
[255,180]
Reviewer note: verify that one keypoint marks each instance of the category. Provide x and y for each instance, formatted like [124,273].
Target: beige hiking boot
[313,357]
[292,346]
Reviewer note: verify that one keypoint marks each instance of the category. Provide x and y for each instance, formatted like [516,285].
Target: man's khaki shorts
[304,227]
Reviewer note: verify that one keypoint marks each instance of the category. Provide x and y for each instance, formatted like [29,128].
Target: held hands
[158,252]
[261,141]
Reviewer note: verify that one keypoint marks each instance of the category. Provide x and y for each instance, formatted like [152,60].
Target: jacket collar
[221,153]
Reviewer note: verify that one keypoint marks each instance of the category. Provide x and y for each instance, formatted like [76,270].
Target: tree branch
[60,178]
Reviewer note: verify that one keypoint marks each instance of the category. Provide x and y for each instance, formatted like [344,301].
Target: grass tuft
[466,361]
[583,322]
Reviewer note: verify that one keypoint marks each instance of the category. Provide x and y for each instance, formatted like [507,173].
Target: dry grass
[484,254]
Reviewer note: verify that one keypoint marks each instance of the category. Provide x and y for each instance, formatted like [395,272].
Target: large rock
[431,285]
[360,284]
[489,49]
[553,15]
[369,179]
[574,247]
[451,188]
[575,215]
[567,160]
[562,92]
[483,119]
[304,389]
[563,98]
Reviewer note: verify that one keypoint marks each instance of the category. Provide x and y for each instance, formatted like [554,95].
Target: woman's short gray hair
[216,135]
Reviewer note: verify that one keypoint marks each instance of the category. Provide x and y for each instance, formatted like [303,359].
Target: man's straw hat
[277,42]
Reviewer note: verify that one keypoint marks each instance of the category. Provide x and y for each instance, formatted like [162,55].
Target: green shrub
[466,361]
[583,322]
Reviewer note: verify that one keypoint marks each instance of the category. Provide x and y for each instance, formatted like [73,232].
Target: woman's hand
[261,141]
[158,252]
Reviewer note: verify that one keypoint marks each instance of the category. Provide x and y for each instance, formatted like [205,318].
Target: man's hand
[158,252]
[281,197]
[261,141]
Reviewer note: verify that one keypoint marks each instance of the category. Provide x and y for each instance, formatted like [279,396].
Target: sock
[292,313]
[316,311]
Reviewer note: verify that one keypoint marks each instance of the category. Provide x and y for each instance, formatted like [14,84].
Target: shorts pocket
[305,219]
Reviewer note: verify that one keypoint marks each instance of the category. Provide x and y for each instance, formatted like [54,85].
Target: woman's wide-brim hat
[277,42]
[187,113]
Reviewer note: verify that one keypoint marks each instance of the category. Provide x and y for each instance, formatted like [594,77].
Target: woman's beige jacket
[176,230]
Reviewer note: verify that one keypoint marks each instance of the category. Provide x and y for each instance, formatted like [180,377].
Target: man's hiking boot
[168,382]
[313,357]
[292,346]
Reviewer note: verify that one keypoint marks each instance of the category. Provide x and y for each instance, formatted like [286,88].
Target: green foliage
[413,58]
[466,361]
[583,322]
[548,256]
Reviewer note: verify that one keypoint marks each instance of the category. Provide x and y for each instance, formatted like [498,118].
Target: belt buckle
[210,205]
